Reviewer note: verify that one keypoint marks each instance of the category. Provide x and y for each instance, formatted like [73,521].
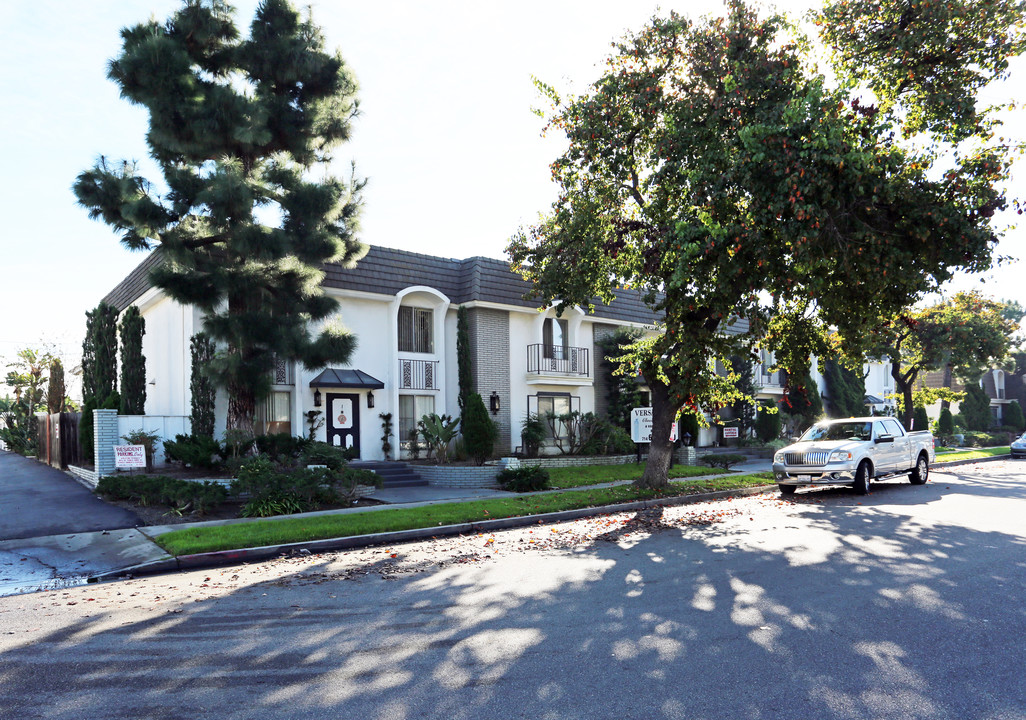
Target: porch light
[370,399]
[686,437]
[317,398]
[494,402]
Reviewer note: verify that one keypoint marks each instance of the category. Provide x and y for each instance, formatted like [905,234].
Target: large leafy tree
[967,333]
[242,130]
[712,168]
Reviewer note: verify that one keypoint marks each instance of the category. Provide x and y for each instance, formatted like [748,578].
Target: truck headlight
[840,456]
[779,458]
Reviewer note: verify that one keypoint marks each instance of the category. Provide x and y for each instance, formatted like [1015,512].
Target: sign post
[641,429]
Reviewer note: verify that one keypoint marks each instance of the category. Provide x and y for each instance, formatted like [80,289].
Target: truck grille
[807,458]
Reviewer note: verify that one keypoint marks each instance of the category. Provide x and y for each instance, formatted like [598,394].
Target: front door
[344,421]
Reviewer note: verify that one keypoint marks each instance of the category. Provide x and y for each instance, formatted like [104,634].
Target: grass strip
[580,476]
[972,454]
[322,527]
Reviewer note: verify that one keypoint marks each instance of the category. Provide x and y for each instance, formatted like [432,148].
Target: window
[411,409]
[415,330]
[553,405]
[891,427]
[274,414]
[555,338]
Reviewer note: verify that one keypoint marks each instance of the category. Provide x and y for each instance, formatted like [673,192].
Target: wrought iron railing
[557,359]
[418,374]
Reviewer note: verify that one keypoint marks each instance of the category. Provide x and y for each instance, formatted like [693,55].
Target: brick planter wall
[685,456]
[459,477]
[105,437]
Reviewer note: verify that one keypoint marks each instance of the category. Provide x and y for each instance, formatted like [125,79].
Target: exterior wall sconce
[370,399]
[686,437]
[317,398]
[494,403]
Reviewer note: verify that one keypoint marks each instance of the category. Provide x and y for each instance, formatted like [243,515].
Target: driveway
[36,500]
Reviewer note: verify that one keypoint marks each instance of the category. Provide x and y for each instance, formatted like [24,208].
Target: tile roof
[387,271]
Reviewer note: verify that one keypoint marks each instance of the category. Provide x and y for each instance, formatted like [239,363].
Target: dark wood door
[344,421]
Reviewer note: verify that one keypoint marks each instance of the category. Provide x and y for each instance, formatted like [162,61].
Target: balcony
[418,374]
[557,360]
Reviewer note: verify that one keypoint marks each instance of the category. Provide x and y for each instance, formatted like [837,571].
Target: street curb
[220,558]
[955,463]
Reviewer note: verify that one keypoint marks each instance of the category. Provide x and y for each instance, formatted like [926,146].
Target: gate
[58,439]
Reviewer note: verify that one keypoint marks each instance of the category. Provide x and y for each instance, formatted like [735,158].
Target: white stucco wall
[169,327]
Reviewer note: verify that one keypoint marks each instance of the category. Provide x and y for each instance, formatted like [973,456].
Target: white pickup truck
[854,452]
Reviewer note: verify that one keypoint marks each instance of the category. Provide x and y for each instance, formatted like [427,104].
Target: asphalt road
[907,603]
[37,500]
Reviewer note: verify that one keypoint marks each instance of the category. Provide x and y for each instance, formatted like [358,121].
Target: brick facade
[489,338]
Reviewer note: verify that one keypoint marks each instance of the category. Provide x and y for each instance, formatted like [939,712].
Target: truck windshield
[838,431]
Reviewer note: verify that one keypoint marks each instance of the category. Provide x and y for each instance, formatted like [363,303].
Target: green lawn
[571,477]
[292,530]
[949,456]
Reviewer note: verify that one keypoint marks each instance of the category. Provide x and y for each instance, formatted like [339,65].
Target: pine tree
[239,125]
[463,360]
[133,363]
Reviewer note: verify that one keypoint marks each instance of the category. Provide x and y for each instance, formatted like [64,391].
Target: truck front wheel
[861,485]
[921,472]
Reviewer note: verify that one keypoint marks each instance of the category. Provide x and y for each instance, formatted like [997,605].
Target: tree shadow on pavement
[758,608]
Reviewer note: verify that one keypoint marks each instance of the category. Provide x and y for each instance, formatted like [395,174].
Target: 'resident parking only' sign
[641,426]
[129,456]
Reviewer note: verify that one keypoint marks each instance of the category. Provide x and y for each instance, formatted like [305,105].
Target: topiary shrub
[479,432]
[945,422]
[724,460]
[524,479]
[920,420]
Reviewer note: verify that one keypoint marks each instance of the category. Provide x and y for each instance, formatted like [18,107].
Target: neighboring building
[1001,387]
[401,306]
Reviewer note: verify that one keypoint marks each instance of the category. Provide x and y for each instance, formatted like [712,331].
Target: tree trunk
[946,404]
[660,450]
[241,408]
[904,386]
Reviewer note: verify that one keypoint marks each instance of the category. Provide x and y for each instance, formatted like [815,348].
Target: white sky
[453,154]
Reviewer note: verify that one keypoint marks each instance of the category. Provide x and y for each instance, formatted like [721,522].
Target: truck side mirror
[885,439]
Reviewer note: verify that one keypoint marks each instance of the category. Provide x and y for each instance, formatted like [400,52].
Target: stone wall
[459,476]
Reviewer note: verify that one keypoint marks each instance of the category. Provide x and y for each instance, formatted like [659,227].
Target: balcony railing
[557,360]
[418,374]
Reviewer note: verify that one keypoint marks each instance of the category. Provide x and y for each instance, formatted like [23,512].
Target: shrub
[179,495]
[945,422]
[532,434]
[479,432]
[273,489]
[149,442]
[1014,416]
[920,420]
[524,479]
[767,424]
[724,460]
[608,439]
[194,451]
[281,445]
[320,453]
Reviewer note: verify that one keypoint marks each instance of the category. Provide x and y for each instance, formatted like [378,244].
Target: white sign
[641,426]
[129,456]
[730,432]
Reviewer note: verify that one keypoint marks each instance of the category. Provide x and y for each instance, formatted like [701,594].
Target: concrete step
[392,474]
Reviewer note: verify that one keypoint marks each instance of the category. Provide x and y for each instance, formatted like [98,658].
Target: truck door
[893,456]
